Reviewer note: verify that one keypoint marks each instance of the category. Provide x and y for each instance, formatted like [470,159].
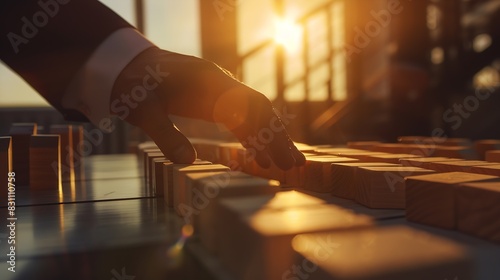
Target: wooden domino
[493,170]
[363,145]
[414,149]
[379,253]
[264,236]
[157,176]
[168,179]
[430,199]
[21,135]
[423,162]
[5,162]
[478,211]
[461,152]
[148,157]
[482,146]
[79,152]
[442,141]
[493,156]
[343,177]
[317,172]
[208,188]
[180,189]
[45,162]
[66,149]
[384,187]
[457,166]
[389,158]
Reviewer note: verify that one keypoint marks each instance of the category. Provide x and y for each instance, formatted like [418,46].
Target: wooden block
[482,146]
[457,166]
[337,151]
[211,189]
[478,211]
[461,152]
[181,189]
[5,163]
[318,172]
[375,254]
[361,156]
[389,158]
[423,162]
[384,187]
[493,156]
[414,149]
[168,179]
[363,145]
[148,157]
[430,199]
[157,186]
[295,177]
[228,153]
[79,153]
[493,170]
[208,189]
[343,177]
[66,149]
[151,167]
[21,135]
[143,160]
[441,141]
[45,162]
[264,237]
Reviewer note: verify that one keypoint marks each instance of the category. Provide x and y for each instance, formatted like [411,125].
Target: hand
[195,88]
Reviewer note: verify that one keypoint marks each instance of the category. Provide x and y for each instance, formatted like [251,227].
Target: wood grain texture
[384,187]
[382,253]
[343,177]
[45,162]
[430,199]
[478,211]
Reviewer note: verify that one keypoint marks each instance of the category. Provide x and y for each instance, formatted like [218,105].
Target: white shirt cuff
[90,90]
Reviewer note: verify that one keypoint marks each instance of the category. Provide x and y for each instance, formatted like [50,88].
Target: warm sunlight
[288,34]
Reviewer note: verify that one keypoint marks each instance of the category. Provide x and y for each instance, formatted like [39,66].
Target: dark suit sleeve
[47,41]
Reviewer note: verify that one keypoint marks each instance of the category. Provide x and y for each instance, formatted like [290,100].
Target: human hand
[165,83]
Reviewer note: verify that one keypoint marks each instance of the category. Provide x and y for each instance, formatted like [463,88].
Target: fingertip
[299,157]
[183,154]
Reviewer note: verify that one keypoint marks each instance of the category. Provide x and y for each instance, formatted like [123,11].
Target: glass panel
[174,25]
[260,72]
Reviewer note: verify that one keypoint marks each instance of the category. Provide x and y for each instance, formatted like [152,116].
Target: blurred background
[348,70]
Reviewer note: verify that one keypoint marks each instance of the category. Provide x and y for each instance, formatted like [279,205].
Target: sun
[287,33]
